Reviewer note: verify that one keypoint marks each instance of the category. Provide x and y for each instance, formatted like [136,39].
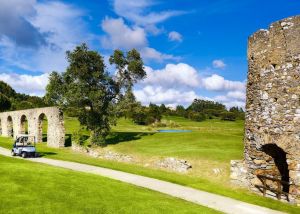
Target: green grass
[36,188]
[195,182]
[211,144]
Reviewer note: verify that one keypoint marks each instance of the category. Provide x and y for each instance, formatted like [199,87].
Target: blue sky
[192,49]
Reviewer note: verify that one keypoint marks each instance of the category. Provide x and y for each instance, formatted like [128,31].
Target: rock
[109,155]
[217,171]
[174,164]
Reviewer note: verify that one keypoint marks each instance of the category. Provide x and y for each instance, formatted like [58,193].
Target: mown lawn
[211,144]
[36,188]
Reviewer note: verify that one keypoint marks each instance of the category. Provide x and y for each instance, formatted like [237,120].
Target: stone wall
[272,127]
[13,123]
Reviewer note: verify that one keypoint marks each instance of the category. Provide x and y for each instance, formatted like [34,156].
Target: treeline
[199,110]
[10,100]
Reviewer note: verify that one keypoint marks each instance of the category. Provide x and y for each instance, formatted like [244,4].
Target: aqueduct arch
[15,122]
[23,124]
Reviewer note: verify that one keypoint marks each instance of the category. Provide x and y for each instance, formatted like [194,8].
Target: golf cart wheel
[24,155]
[13,153]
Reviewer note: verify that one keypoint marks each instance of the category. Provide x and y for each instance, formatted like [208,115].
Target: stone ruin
[272,126]
[13,123]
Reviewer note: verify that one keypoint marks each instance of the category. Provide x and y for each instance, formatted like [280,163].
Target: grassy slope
[35,188]
[211,144]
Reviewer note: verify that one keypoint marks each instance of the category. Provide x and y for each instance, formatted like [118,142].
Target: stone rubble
[109,155]
[170,163]
[174,164]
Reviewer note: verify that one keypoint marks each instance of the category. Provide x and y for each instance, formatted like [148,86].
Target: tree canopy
[86,86]
[5,103]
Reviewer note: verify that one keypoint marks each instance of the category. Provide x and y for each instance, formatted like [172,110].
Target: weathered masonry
[14,122]
[272,129]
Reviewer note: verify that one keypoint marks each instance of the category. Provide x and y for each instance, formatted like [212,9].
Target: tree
[130,69]
[126,105]
[7,90]
[87,87]
[163,109]
[201,105]
[23,105]
[180,110]
[55,90]
[154,114]
[228,116]
[5,103]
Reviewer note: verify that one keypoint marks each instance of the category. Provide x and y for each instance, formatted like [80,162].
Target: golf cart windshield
[23,142]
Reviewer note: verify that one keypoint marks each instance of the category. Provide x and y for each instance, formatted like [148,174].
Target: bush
[139,116]
[78,137]
[146,115]
[196,116]
[230,116]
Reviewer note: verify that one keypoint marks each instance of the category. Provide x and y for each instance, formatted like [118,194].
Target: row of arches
[24,127]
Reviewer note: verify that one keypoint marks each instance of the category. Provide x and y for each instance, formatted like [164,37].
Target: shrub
[230,116]
[196,116]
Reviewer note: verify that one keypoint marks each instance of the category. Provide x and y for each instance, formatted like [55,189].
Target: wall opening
[10,129]
[281,167]
[42,128]
[24,125]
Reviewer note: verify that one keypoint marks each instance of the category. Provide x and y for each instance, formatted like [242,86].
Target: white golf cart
[24,146]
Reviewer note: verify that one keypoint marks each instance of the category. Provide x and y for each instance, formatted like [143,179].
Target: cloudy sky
[192,49]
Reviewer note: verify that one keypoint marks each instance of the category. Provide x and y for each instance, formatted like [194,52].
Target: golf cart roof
[24,135]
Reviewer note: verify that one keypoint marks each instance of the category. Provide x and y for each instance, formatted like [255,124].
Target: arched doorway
[24,125]
[42,128]
[280,161]
[10,129]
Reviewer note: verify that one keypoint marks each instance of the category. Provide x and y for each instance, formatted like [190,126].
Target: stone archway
[278,164]
[42,128]
[23,125]
[10,129]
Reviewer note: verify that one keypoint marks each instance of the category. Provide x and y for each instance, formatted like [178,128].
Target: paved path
[217,202]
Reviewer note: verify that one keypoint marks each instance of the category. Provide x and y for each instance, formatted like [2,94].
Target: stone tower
[272,127]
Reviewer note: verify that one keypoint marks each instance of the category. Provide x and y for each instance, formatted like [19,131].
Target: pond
[173,130]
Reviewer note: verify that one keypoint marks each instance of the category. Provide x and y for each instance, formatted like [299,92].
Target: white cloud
[28,84]
[218,63]
[170,97]
[137,12]
[175,36]
[218,83]
[64,28]
[122,36]
[152,54]
[173,75]
[239,95]
[14,23]
[181,84]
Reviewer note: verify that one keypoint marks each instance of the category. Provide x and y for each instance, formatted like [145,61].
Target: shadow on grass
[119,137]
[44,138]
[68,139]
[42,154]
